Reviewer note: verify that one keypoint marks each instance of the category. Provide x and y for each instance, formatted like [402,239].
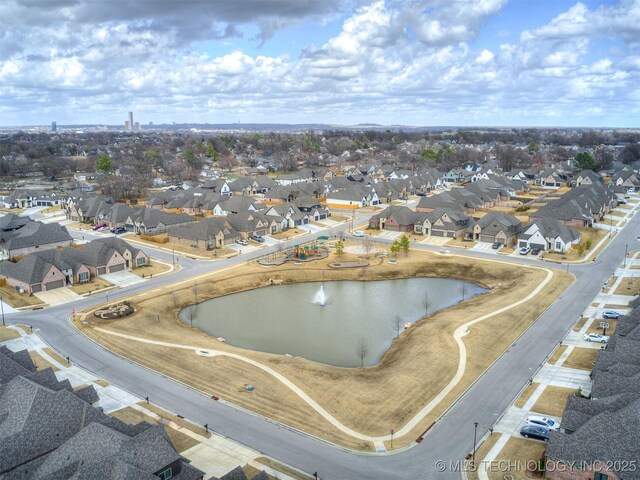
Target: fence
[159,238]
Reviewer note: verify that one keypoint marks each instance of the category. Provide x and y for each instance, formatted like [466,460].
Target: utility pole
[473,456]
[2,306]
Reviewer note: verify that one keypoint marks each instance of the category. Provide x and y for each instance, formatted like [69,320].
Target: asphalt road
[449,441]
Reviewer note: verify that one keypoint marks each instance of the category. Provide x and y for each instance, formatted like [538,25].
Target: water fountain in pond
[320,297]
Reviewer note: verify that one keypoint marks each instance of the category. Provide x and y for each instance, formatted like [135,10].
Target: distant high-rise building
[54,126]
[136,126]
[131,125]
[126,125]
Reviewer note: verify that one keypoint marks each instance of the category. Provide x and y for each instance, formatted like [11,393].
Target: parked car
[257,238]
[99,226]
[358,233]
[119,230]
[103,229]
[611,315]
[529,431]
[539,421]
[496,246]
[525,250]
[535,251]
[421,194]
[242,241]
[622,202]
[596,337]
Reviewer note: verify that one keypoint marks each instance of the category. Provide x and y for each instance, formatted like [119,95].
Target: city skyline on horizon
[419,63]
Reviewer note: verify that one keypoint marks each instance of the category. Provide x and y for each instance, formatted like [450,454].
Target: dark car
[257,238]
[535,251]
[119,230]
[496,246]
[540,433]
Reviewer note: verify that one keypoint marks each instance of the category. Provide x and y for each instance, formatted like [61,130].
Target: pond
[342,323]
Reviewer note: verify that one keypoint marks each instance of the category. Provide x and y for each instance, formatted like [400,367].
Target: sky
[349,62]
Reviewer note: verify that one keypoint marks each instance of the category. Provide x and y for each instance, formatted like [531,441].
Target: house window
[84,276]
[600,476]
[558,246]
[166,474]
[141,261]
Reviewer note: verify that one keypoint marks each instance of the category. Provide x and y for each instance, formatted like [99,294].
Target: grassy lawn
[593,235]
[250,471]
[285,234]
[55,208]
[175,419]
[553,400]
[517,451]
[525,395]
[557,354]
[628,286]
[366,399]
[616,305]
[481,452]
[7,333]
[97,284]
[580,324]
[152,269]
[581,358]
[58,358]
[14,299]
[102,383]
[177,247]
[40,362]
[296,474]
[613,213]
[595,327]
[180,441]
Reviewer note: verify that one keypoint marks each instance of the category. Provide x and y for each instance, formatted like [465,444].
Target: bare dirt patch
[553,400]
[365,399]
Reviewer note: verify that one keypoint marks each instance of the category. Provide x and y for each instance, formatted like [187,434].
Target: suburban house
[548,234]
[32,237]
[85,208]
[586,177]
[550,179]
[395,218]
[442,222]
[148,221]
[252,223]
[627,179]
[49,269]
[599,433]
[50,430]
[209,233]
[288,215]
[497,227]
[354,196]
[21,198]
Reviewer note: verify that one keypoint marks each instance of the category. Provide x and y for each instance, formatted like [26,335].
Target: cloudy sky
[411,62]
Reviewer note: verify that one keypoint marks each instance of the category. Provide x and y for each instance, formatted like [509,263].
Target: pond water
[326,322]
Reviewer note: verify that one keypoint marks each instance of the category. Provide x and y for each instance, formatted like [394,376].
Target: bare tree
[426,303]
[362,350]
[397,322]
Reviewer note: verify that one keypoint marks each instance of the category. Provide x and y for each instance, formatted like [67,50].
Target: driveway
[484,247]
[435,241]
[389,235]
[122,279]
[58,296]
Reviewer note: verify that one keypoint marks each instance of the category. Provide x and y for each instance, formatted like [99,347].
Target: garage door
[102,270]
[56,284]
[522,243]
[487,238]
[36,288]
[538,245]
[116,268]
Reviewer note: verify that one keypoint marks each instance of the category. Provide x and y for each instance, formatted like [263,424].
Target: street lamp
[475,431]
[2,307]
[626,249]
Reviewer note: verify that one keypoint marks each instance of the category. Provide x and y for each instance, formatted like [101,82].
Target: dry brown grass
[481,452]
[595,327]
[525,395]
[517,451]
[7,333]
[553,400]
[179,440]
[578,326]
[285,234]
[150,270]
[250,471]
[58,358]
[175,419]
[40,362]
[97,284]
[14,299]
[581,358]
[557,354]
[295,474]
[363,399]
[102,383]
[177,247]
[628,286]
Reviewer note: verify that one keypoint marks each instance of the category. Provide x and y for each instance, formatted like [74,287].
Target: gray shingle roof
[36,233]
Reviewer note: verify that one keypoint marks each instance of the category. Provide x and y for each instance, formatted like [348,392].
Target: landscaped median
[424,371]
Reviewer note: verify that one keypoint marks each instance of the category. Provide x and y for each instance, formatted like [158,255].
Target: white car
[525,250]
[242,241]
[596,337]
[538,421]
[358,233]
